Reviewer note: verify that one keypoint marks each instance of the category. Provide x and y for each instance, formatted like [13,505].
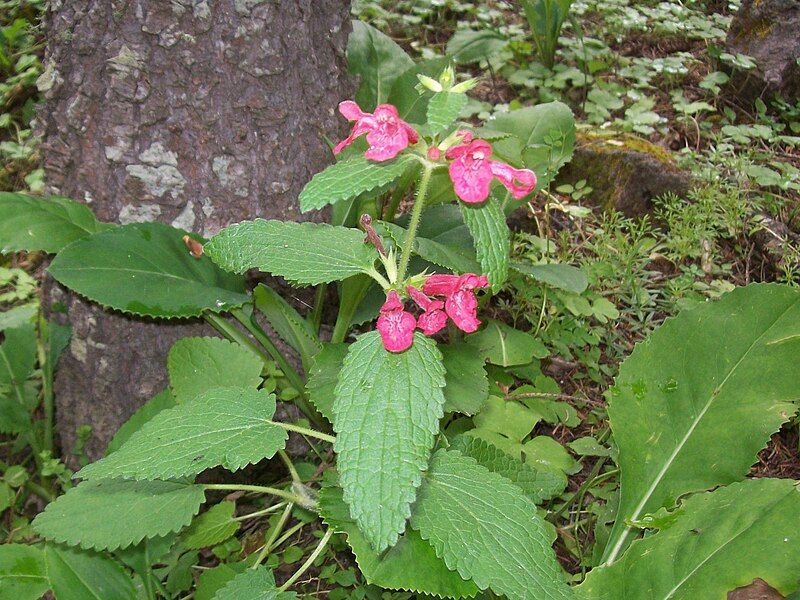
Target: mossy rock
[625,172]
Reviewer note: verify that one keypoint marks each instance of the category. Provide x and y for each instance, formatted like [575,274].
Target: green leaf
[484,526]
[718,541]
[287,323]
[89,515]
[703,395]
[197,364]
[505,346]
[452,257]
[377,60]
[23,575]
[323,377]
[304,253]
[563,277]
[223,426]
[386,415]
[469,46]
[487,225]
[253,584]
[83,575]
[146,412]
[145,269]
[410,565]
[30,224]
[14,417]
[18,316]
[349,178]
[537,484]
[466,384]
[17,360]
[410,103]
[443,110]
[212,527]
[214,579]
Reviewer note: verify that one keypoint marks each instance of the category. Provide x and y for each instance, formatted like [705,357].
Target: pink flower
[472,172]
[433,319]
[387,133]
[395,324]
[461,305]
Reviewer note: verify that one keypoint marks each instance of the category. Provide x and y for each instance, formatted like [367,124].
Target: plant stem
[260,513]
[40,491]
[233,334]
[289,466]
[259,489]
[315,318]
[304,567]
[305,431]
[413,224]
[273,535]
[398,195]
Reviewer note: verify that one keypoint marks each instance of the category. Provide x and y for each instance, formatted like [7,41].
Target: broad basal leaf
[197,364]
[350,178]
[223,426]
[487,224]
[467,385]
[563,277]
[28,223]
[145,269]
[386,414]
[505,346]
[287,323]
[212,527]
[443,110]
[410,565]
[377,60]
[694,404]
[304,253]
[89,515]
[84,575]
[485,527]
[323,377]
[147,411]
[23,574]
[253,584]
[718,541]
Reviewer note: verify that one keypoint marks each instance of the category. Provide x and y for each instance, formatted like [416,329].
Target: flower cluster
[442,296]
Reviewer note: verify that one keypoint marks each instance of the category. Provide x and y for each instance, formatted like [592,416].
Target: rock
[625,172]
[758,590]
[769,31]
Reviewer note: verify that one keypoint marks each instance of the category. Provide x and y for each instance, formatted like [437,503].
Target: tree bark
[197,113]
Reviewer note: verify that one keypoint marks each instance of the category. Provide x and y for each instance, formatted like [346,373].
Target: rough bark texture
[198,113]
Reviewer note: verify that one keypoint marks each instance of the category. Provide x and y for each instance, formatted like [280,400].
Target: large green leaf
[694,404]
[487,224]
[305,253]
[377,60]
[505,346]
[197,364]
[485,527]
[386,414]
[716,541]
[288,323]
[411,564]
[83,575]
[23,574]
[563,277]
[466,384]
[147,411]
[253,584]
[145,269]
[29,223]
[223,426]
[89,515]
[470,46]
[323,377]
[349,178]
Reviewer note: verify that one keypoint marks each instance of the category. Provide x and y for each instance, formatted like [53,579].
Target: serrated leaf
[377,60]
[563,277]
[487,225]
[324,376]
[197,364]
[505,346]
[30,224]
[145,269]
[410,565]
[304,253]
[538,484]
[484,526]
[23,574]
[466,384]
[147,411]
[452,257]
[230,427]
[88,515]
[83,575]
[443,110]
[718,541]
[703,395]
[212,527]
[350,178]
[386,414]
[253,584]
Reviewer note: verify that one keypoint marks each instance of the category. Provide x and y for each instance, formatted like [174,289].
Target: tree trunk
[197,113]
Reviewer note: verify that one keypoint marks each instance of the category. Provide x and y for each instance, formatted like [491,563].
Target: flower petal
[462,307]
[397,330]
[520,182]
[471,182]
[432,321]
[441,285]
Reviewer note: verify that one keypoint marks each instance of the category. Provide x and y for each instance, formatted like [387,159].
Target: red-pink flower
[472,172]
[387,133]
[461,305]
[433,319]
[395,324]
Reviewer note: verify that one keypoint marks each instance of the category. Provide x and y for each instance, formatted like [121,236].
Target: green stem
[289,466]
[259,489]
[315,318]
[413,224]
[260,513]
[305,431]
[304,567]
[40,491]
[233,334]
[276,531]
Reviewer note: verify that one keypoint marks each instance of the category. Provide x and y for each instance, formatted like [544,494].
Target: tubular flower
[472,172]
[460,304]
[387,133]
[433,319]
[396,325]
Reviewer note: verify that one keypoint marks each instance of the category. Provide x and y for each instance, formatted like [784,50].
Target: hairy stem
[276,531]
[413,225]
[304,567]
[305,431]
[258,489]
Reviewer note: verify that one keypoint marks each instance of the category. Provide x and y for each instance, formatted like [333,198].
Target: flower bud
[429,83]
